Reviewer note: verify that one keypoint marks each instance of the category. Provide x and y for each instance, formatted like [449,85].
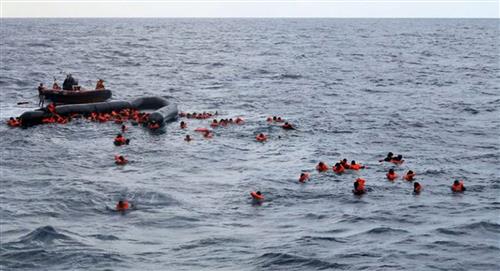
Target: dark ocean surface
[355,89]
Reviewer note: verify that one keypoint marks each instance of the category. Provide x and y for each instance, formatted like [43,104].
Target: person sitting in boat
[70,83]
[56,86]
[100,85]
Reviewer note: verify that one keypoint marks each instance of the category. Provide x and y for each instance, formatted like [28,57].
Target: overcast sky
[251,8]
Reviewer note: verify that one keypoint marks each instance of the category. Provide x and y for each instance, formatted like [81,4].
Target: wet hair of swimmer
[416,184]
[410,171]
[391,170]
[353,162]
[258,193]
[456,182]
[399,157]
[344,160]
[356,185]
[11,118]
[118,135]
[337,164]
[390,154]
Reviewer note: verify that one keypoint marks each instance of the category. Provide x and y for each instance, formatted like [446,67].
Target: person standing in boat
[70,83]
[41,97]
[100,85]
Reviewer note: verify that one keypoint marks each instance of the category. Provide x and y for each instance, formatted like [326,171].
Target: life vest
[287,127]
[201,130]
[119,161]
[321,167]
[214,124]
[48,120]
[304,177]
[13,123]
[409,177]
[397,162]
[356,167]
[458,188]
[61,120]
[361,183]
[361,187]
[269,119]
[239,120]
[261,138]
[256,196]
[120,140]
[183,125]
[392,177]
[51,107]
[208,135]
[154,126]
[339,170]
[123,207]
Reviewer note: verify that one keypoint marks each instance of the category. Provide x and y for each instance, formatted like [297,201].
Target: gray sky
[251,8]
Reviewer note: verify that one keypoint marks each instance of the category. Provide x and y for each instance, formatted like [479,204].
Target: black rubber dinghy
[164,110]
[76,97]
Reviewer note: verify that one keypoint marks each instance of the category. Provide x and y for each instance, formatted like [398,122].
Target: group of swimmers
[194,115]
[359,184]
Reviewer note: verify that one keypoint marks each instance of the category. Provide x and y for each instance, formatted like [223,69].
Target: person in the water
[388,158]
[417,188]
[123,205]
[338,168]
[391,175]
[409,176]
[322,167]
[121,140]
[458,186]
[359,187]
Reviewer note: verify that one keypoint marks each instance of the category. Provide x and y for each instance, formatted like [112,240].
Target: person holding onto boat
[100,85]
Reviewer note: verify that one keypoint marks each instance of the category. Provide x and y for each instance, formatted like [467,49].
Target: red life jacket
[458,188]
[322,167]
[257,196]
[123,207]
[261,138]
[339,170]
[304,177]
[409,177]
[392,177]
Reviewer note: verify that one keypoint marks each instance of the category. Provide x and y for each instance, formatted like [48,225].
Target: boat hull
[76,97]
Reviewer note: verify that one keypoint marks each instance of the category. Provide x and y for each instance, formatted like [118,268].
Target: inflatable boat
[76,96]
[163,111]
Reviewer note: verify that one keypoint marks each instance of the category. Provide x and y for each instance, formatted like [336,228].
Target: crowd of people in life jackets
[359,184]
[119,117]
[340,167]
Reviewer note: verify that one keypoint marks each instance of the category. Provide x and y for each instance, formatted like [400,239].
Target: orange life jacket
[124,207]
[261,138]
[340,169]
[322,167]
[120,140]
[119,161]
[154,126]
[304,177]
[52,108]
[409,177]
[392,177]
[13,123]
[397,162]
[458,188]
[256,196]
[355,167]
[239,121]
[201,130]
[287,126]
